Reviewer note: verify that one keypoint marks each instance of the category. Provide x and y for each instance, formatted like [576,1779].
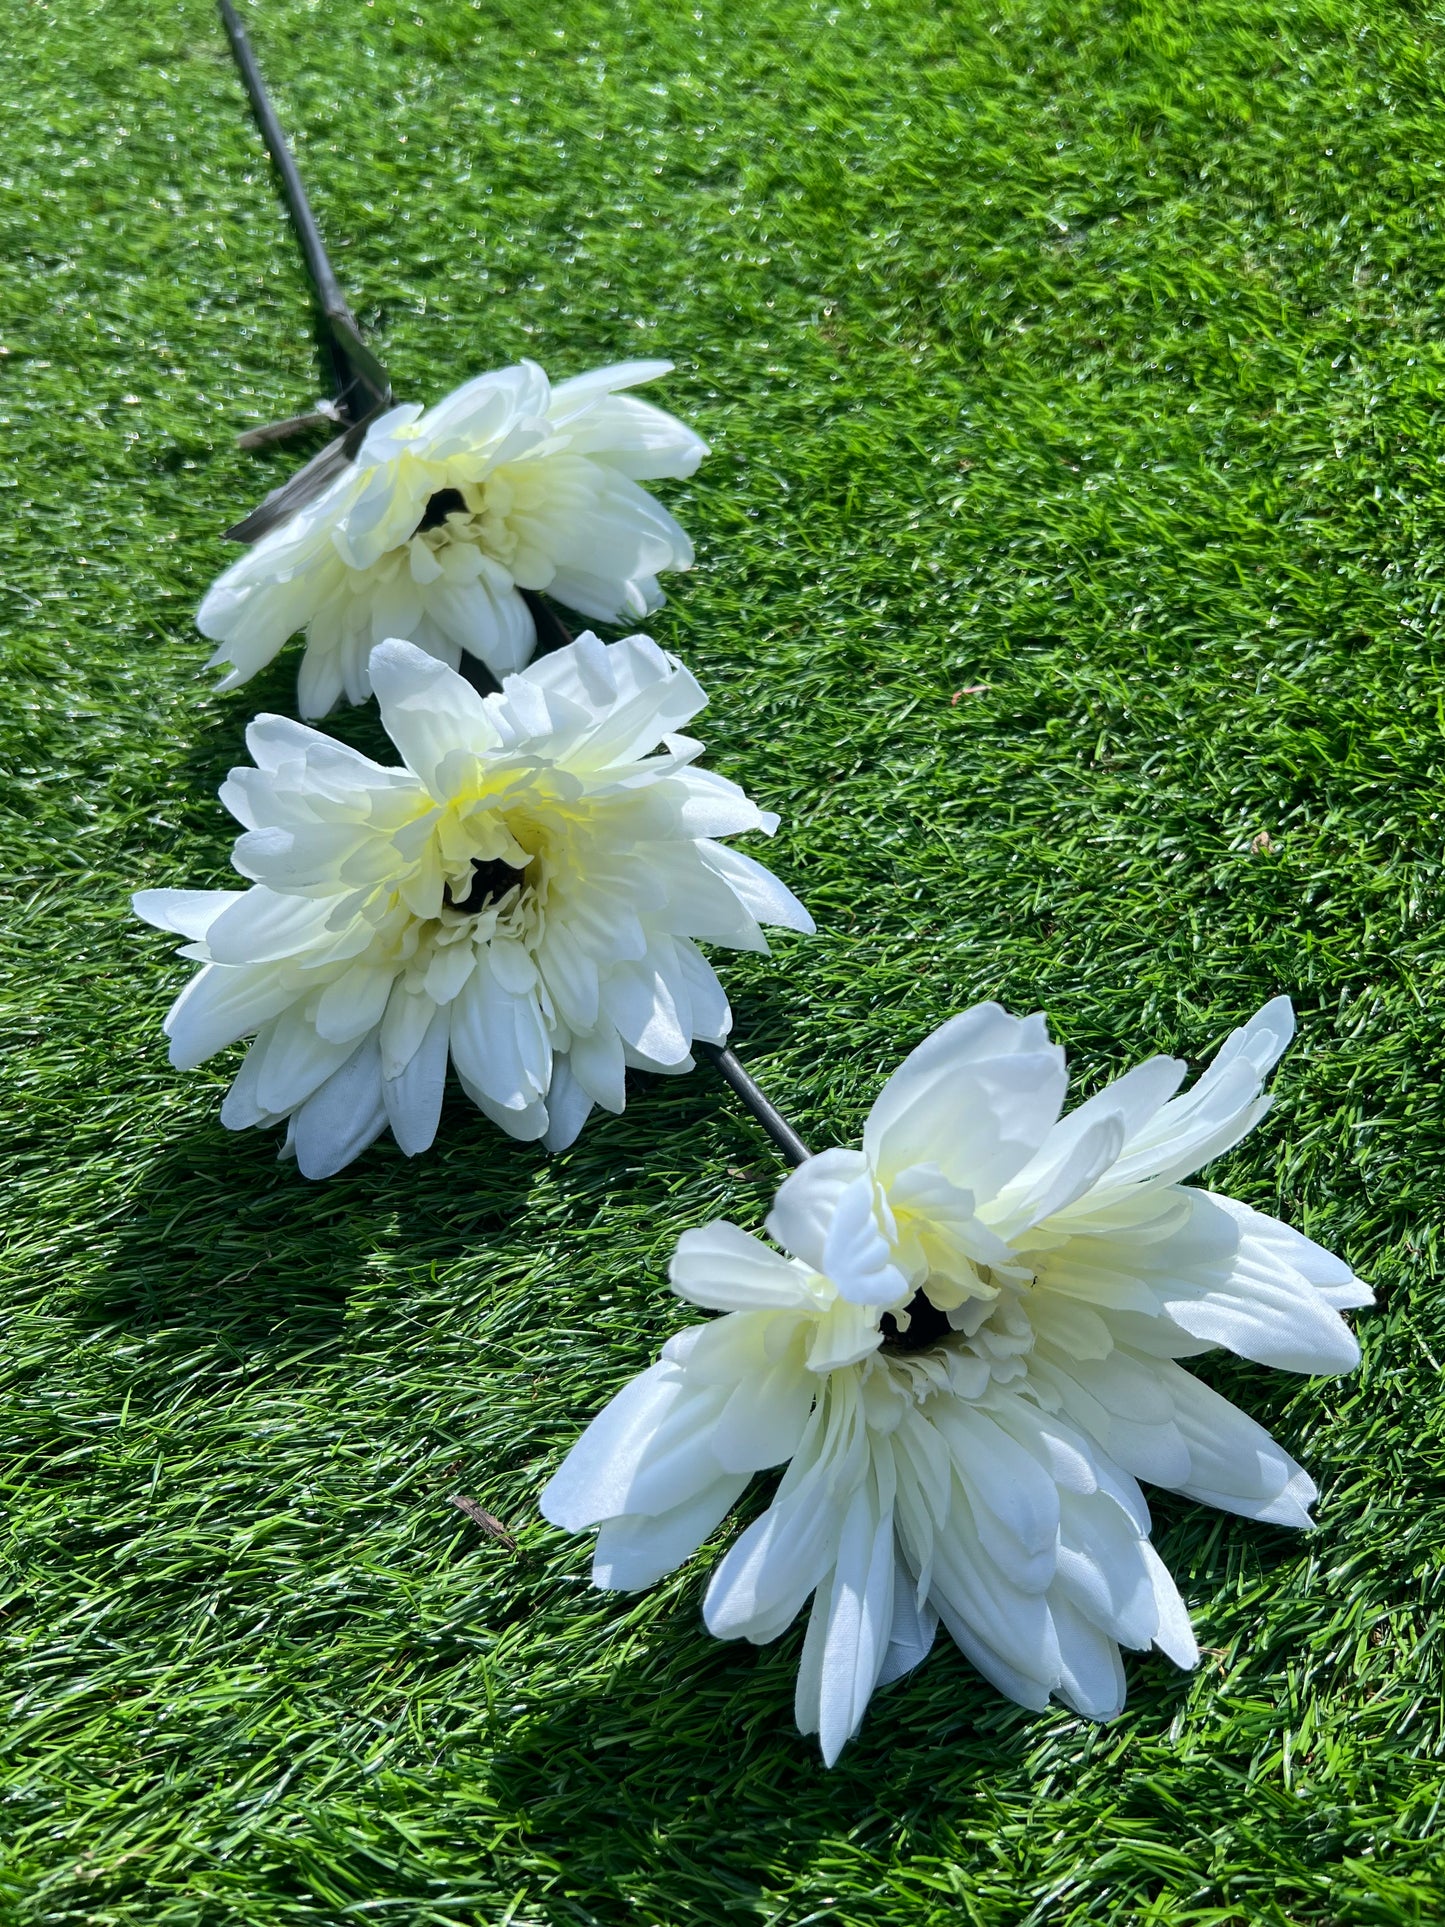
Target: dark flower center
[446,501]
[926,1325]
[491,880]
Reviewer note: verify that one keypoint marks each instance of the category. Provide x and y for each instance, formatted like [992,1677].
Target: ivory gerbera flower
[446,515]
[524,897]
[965,1366]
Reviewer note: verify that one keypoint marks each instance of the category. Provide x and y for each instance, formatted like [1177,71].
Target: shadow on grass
[220,1235]
[683,1767]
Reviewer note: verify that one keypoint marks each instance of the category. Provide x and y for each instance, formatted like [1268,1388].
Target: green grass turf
[1069,560]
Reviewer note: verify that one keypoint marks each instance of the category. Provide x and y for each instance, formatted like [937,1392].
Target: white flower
[446,515]
[524,897]
[965,1367]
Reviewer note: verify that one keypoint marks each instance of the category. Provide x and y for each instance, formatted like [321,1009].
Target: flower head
[524,897]
[965,1365]
[446,515]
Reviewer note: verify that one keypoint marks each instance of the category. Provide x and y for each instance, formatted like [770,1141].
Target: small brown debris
[1262,844]
[969,689]
[488,1521]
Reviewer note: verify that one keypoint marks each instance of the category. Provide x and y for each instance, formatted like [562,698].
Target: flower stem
[362,385]
[753,1101]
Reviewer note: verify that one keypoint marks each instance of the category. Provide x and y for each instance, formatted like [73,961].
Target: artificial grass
[1069,562]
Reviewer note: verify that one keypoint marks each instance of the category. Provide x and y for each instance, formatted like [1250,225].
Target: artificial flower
[966,1364]
[446,515]
[525,898]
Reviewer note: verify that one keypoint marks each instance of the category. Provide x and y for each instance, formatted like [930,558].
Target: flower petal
[428,710]
[568,1107]
[807,1200]
[218,1006]
[1234,1463]
[1221,1108]
[848,1630]
[645,1452]
[730,1270]
[637,1549]
[346,1114]
[977,1098]
[413,1099]
[189,913]
[911,1635]
[1239,1289]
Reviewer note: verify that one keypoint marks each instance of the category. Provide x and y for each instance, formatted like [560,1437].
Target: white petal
[1225,1277]
[1174,1635]
[768,1573]
[580,392]
[189,913]
[645,1452]
[711,1017]
[846,1335]
[276,742]
[320,681]
[727,1269]
[477,413]
[526,1126]
[1101,1573]
[763,1421]
[1023,1687]
[708,805]
[638,695]
[449,971]
[353,1003]
[408,1018]
[1330,1276]
[1099,1396]
[1137,1096]
[1008,1621]
[312,857]
[1069,1328]
[220,1004]
[977,1098]
[1091,1673]
[571,978]
[807,1200]
[382,513]
[1221,1108]
[1015,1503]
[854,1610]
[597,1064]
[414,1099]
[427,709]
[640,1001]
[261,925]
[757,889]
[568,1107]
[241,1109]
[1058,1174]
[857,1257]
[499,1041]
[1260,1043]
[490,621]
[1235,1464]
[636,1550]
[343,1117]
[639,441]
[295,1060]
[911,1636]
